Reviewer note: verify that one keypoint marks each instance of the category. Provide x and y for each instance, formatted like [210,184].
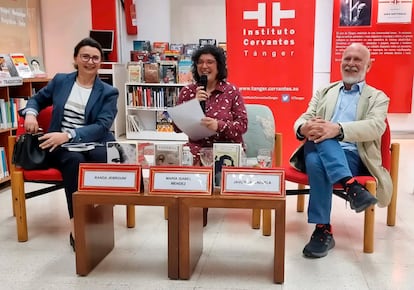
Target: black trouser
[67,162]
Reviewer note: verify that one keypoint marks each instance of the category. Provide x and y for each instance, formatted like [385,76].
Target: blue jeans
[326,164]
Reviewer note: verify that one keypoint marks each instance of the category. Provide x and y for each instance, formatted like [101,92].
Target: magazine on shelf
[225,154]
[159,47]
[141,45]
[151,72]
[168,154]
[164,122]
[7,68]
[22,65]
[122,152]
[168,71]
[37,66]
[134,72]
[185,75]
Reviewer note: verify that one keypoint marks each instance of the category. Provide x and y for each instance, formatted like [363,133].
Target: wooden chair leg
[256,218]
[300,202]
[166,212]
[369,221]
[19,205]
[130,216]
[392,207]
[267,222]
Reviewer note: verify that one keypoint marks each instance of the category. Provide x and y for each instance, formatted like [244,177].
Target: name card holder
[191,180]
[256,182]
[105,177]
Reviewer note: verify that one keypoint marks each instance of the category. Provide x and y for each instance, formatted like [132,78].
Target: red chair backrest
[43,119]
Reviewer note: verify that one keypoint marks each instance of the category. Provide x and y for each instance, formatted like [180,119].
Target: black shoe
[359,197]
[72,241]
[320,243]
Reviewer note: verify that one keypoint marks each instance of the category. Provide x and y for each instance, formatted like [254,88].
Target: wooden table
[191,227]
[94,226]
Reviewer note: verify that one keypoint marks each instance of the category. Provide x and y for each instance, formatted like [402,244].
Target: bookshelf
[18,92]
[115,74]
[143,103]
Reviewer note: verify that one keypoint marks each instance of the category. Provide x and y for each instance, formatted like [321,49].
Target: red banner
[385,27]
[270,57]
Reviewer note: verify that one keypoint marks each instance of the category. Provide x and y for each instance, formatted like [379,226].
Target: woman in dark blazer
[84,108]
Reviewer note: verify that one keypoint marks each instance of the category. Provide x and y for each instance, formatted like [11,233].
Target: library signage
[109,177]
[250,181]
[193,180]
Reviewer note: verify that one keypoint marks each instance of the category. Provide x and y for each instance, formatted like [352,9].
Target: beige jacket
[366,131]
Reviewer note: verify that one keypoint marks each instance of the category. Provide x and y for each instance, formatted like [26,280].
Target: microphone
[203,83]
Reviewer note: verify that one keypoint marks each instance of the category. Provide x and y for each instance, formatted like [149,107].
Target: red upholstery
[50,174]
[293,175]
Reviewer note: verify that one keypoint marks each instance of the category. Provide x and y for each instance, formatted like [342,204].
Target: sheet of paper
[187,116]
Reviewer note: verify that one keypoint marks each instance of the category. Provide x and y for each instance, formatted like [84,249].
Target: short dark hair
[88,42]
[218,54]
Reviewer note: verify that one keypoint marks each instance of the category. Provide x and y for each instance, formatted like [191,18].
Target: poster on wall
[270,48]
[386,28]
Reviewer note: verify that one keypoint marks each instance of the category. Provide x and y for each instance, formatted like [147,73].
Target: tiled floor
[235,256]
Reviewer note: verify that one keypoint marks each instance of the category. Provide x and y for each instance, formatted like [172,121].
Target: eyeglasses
[208,62]
[87,57]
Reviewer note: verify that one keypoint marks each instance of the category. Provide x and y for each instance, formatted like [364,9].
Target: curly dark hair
[218,54]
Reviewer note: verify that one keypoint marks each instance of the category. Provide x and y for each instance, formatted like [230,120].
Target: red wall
[104,18]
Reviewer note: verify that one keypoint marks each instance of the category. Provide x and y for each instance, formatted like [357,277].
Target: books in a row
[156,97]
[167,72]
[9,112]
[164,123]
[18,65]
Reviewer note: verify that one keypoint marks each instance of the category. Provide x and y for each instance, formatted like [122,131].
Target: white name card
[250,181]
[109,177]
[180,180]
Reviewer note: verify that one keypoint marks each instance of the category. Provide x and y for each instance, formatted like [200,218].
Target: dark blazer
[100,111]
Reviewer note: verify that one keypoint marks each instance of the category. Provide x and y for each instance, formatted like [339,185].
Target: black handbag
[27,154]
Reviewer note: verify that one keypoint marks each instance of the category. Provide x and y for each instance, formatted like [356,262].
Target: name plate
[109,177]
[194,180]
[250,181]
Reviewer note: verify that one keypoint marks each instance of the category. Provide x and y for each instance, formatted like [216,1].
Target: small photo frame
[105,177]
[251,181]
[183,180]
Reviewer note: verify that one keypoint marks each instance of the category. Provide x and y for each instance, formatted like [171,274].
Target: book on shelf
[4,171]
[151,72]
[168,71]
[139,55]
[37,66]
[134,71]
[178,47]
[146,154]
[185,75]
[134,124]
[3,115]
[7,68]
[207,41]
[164,122]
[160,47]
[21,64]
[122,152]
[225,154]
[142,45]
[189,49]
[168,154]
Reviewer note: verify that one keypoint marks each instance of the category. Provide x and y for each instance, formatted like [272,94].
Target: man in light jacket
[342,129]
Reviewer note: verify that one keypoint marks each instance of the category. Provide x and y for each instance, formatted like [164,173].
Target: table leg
[173,241]
[279,251]
[94,235]
[190,239]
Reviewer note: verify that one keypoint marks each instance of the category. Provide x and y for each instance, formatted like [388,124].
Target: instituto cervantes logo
[268,40]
